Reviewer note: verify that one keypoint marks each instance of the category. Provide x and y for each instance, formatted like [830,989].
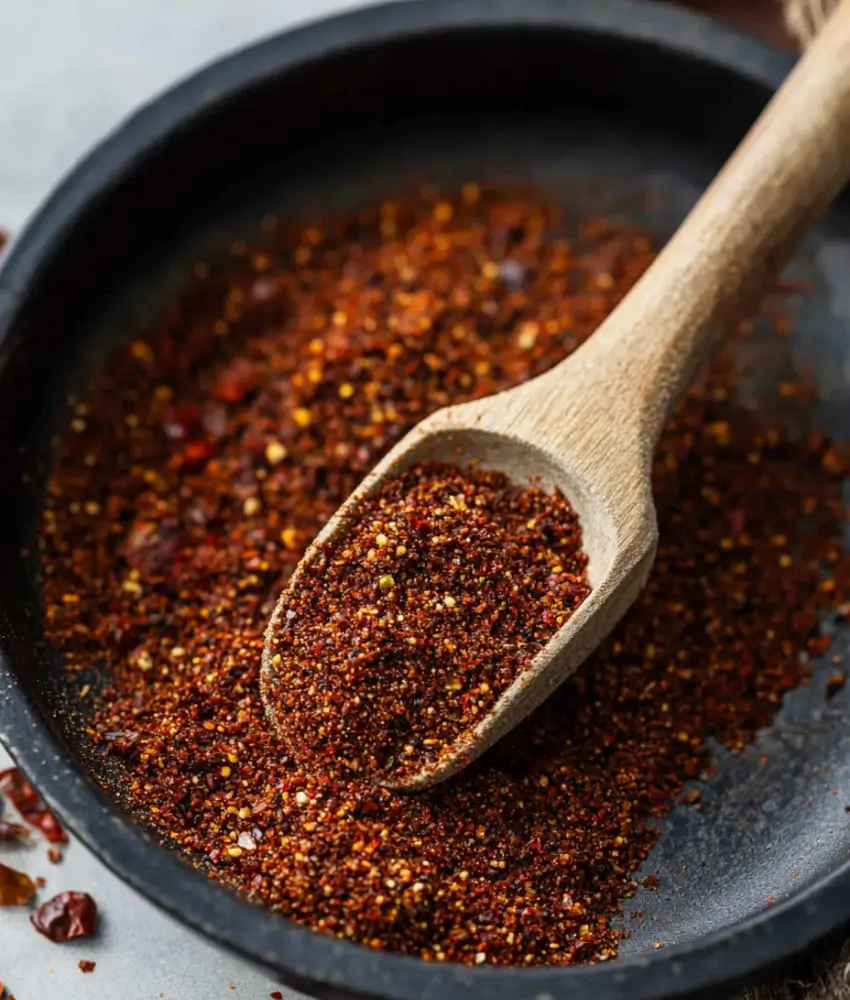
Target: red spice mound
[211,451]
[400,638]
[66,916]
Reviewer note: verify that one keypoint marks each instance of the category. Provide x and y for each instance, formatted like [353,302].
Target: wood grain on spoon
[590,425]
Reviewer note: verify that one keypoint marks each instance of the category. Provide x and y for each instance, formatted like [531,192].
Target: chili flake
[9,831]
[16,888]
[835,684]
[66,916]
[29,804]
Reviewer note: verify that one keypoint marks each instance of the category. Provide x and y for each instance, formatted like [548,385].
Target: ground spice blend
[400,637]
[210,452]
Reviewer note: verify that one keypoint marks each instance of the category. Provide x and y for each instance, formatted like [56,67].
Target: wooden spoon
[590,425]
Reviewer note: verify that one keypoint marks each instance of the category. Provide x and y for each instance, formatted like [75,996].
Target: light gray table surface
[71,70]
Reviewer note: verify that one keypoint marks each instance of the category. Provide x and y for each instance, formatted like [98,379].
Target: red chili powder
[401,637]
[212,449]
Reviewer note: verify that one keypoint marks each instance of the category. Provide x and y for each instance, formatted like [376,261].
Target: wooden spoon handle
[794,160]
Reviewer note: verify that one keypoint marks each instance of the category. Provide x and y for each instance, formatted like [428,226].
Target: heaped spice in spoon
[211,451]
[16,888]
[401,636]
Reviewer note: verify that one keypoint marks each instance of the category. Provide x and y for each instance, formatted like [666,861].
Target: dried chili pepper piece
[27,801]
[66,916]
[835,684]
[10,832]
[86,965]
[16,888]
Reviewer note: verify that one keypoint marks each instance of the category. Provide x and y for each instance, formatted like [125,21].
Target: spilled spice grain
[210,451]
[399,638]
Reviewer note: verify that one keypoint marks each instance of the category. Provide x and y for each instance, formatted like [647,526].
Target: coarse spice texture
[210,451]
[398,638]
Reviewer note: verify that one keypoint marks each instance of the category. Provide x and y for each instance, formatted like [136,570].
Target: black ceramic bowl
[627,108]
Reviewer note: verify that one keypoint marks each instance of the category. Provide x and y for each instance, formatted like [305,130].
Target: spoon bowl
[619,539]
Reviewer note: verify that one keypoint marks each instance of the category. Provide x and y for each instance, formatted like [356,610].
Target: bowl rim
[302,958]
